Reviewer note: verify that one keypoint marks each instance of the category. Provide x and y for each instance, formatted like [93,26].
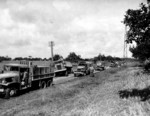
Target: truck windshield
[8,80]
[14,68]
[11,68]
[82,64]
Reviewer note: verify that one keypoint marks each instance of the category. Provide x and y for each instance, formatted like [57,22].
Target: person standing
[25,77]
[92,71]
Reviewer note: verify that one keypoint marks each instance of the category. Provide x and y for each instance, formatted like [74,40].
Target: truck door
[52,67]
[30,74]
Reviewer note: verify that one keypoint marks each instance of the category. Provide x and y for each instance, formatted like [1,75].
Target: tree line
[4,58]
[72,57]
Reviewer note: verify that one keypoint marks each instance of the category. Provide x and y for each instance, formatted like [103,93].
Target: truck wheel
[75,75]
[43,85]
[9,92]
[66,74]
[86,73]
[49,83]
[54,75]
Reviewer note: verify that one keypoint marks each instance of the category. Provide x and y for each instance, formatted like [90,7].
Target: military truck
[37,76]
[83,69]
[100,66]
[62,68]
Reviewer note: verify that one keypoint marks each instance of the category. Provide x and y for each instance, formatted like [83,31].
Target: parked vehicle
[68,66]
[17,77]
[83,69]
[60,69]
[100,68]
[113,64]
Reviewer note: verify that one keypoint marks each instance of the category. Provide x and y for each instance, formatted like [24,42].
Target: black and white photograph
[74,57]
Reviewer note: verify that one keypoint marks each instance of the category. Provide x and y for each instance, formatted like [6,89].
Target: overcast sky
[86,27]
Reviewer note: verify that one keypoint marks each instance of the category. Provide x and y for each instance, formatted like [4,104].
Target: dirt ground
[83,96]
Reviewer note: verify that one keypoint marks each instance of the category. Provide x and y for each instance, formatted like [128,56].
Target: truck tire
[75,75]
[9,92]
[66,73]
[43,85]
[49,82]
[54,74]
[86,73]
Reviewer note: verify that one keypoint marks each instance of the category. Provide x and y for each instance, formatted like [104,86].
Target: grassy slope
[87,96]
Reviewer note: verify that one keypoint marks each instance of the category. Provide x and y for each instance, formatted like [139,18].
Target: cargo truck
[25,75]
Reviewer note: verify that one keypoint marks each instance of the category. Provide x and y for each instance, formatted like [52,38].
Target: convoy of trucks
[30,74]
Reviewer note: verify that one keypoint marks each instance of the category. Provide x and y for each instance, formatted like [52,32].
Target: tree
[18,58]
[101,57]
[138,25]
[141,51]
[27,58]
[73,57]
[3,58]
[57,57]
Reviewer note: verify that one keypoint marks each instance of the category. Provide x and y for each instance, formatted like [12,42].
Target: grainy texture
[86,96]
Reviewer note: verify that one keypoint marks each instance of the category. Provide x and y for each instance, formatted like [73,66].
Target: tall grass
[136,80]
[92,96]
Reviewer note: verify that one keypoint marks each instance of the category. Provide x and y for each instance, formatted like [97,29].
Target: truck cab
[83,69]
[60,69]
[10,79]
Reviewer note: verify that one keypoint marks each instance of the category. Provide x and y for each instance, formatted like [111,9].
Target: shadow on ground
[143,94]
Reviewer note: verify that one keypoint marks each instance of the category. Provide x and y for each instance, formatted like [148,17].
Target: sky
[86,27]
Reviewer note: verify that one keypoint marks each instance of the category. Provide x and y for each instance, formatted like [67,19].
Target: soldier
[25,77]
[92,71]
[147,64]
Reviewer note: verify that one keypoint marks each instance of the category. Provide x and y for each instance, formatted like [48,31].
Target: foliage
[108,58]
[28,58]
[142,51]
[57,57]
[138,30]
[2,58]
[73,57]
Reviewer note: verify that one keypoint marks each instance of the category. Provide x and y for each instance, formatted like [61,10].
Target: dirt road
[59,80]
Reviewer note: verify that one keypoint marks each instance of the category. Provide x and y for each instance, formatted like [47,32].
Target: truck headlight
[3,81]
[1,90]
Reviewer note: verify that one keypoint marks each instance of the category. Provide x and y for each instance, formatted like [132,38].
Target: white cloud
[61,5]
[5,19]
[85,27]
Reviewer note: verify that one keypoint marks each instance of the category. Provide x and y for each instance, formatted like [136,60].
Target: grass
[86,96]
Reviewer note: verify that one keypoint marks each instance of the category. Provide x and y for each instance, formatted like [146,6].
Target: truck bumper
[60,72]
[79,74]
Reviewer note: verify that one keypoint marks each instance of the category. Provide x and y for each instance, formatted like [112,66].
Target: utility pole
[125,51]
[51,45]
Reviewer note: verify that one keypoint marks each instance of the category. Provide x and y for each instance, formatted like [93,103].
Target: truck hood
[80,67]
[9,74]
